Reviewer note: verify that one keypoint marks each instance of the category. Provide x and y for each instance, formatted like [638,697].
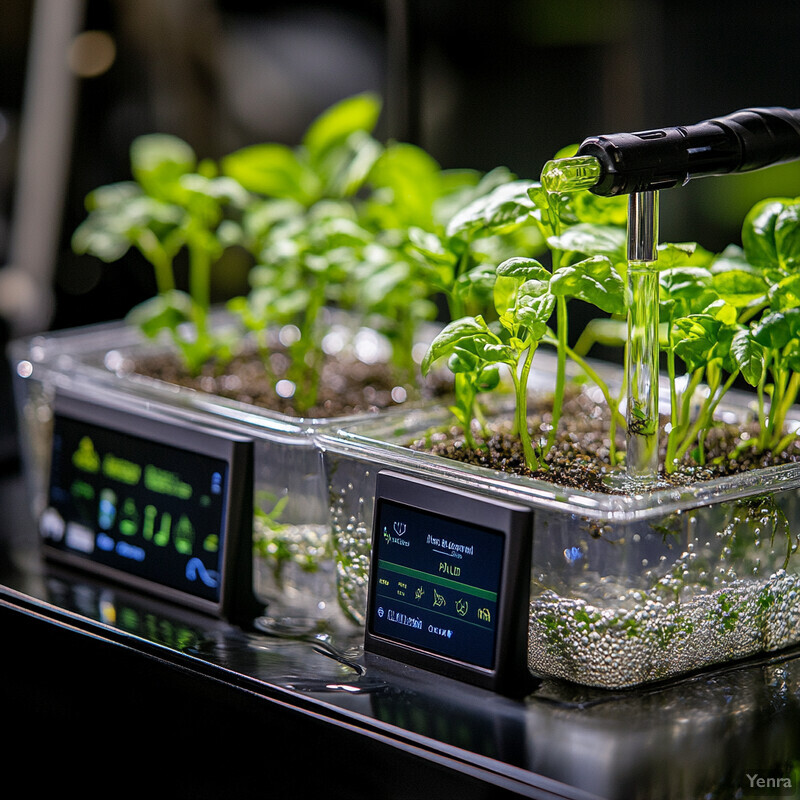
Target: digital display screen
[137,505]
[435,583]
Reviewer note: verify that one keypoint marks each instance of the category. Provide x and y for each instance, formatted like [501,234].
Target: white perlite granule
[643,639]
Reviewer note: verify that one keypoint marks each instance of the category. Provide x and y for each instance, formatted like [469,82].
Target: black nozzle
[659,159]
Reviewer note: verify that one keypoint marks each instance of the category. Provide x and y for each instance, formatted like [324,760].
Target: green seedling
[173,203]
[525,297]
[303,230]
[579,226]
[523,304]
[585,244]
[736,316]
[329,228]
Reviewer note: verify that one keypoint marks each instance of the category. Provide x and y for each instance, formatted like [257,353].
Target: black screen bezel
[150,422]
[509,673]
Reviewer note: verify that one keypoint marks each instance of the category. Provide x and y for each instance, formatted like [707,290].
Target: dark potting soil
[581,455]
[579,459]
[345,386]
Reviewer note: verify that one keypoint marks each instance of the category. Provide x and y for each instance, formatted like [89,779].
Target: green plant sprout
[329,228]
[173,202]
[727,318]
[303,230]
[281,544]
[345,221]
[735,316]
[586,249]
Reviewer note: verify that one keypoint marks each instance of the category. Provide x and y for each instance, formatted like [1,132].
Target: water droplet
[289,334]
[399,394]
[285,388]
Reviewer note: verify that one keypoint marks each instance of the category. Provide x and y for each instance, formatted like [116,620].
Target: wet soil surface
[345,387]
[580,458]
[581,455]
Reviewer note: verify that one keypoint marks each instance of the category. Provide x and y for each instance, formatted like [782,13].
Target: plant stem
[153,251]
[521,413]
[199,286]
[616,416]
[704,417]
[465,399]
[600,383]
[669,465]
[455,302]
[789,395]
[306,376]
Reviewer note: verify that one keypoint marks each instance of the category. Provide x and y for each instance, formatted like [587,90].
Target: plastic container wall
[625,589]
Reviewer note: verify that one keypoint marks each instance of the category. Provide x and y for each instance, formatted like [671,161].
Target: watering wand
[640,164]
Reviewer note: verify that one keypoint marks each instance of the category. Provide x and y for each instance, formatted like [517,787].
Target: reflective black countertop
[119,687]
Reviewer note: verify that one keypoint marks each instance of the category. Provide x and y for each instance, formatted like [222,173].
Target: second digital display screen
[436,583]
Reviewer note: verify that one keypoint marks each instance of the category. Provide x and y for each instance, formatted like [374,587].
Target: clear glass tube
[643,347]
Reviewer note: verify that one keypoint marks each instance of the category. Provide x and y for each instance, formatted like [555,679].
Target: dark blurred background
[477,84]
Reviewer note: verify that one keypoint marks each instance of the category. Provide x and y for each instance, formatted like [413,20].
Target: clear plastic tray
[293,553]
[625,589]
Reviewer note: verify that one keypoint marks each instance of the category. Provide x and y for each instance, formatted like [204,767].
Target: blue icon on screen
[107,511]
[196,570]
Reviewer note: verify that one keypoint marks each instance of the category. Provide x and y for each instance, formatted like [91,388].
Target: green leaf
[722,311]
[683,254]
[108,231]
[408,182]
[112,196]
[786,294]
[223,190]
[336,124]
[696,337]
[523,269]
[430,245]
[591,240]
[477,284]
[484,350]
[504,208]
[758,232]
[461,187]
[588,207]
[535,305]
[775,329]
[164,311]
[787,236]
[511,275]
[791,355]
[679,281]
[488,378]
[158,160]
[344,169]
[286,306]
[273,170]
[261,215]
[462,360]
[739,287]
[539,197]
[684,291]
[101,238]
[749,356]
[332,232]
[382,282]
[593,280]
[452,334]
[731,258]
